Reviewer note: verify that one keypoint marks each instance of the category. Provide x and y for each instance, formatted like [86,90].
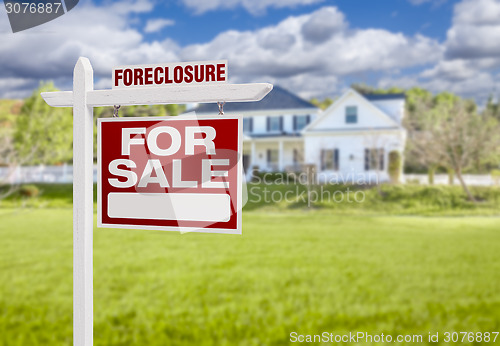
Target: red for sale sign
[170,173]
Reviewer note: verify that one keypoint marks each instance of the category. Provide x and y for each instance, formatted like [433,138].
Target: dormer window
[351,115]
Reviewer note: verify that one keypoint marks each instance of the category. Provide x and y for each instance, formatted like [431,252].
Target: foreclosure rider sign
[184,73]
[170,173]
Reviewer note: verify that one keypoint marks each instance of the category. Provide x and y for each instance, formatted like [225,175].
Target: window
[300,121]
[374,158]
[351,115]
[272,157]
[274,124]
[247,125]
[329,159]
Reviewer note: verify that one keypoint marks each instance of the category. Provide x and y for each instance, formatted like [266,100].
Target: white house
[350,141]
[272,129]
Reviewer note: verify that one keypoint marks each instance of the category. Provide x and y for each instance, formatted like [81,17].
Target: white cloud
[435,3]
[312,54]
[125,7]
[405,82]
[470,78]
[323,24]
[479,86]
[309,46]
[253,6]
[155,25]
[16,87]
[473,41]
[477,12]
[475,32]
[472,54]
[311,85]
[101,33]
[453,70]
[309,54]
[418,2]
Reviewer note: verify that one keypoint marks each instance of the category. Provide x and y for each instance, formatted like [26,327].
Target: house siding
[351,151]
[368,116]
[378,127]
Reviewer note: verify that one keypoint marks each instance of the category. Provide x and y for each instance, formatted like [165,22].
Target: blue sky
[394,15]
[315,48]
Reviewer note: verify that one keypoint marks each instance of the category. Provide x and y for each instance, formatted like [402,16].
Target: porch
[273,154]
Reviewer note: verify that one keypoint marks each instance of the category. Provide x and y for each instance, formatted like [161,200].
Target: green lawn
[299,271]
[399,200]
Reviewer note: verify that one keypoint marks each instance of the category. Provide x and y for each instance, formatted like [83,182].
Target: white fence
[64,174]
[443,179]
[40,174]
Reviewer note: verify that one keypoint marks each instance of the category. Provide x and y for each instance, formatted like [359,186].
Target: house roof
[326,113]
[277,99]
[280,134]
[383,97]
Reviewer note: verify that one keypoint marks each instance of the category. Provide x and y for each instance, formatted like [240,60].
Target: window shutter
[281,123]
[381,158]
[322,159]
[367,159]
[295,123]
[268,155]
[250,125]
[336,159]
[268,124]
[308,119]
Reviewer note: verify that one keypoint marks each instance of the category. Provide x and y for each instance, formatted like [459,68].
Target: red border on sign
[228,141]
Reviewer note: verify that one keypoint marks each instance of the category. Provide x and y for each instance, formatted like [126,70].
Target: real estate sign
[170,173]
[179,73]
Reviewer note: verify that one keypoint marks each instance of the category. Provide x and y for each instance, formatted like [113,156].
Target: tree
[451,134]
[44,134]
[9,159]
[363,88]
[492,108]
[322,104]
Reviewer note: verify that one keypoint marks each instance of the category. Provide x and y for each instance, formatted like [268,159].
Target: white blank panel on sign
[170,206]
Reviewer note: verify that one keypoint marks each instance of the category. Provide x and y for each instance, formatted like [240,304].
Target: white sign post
[83,99]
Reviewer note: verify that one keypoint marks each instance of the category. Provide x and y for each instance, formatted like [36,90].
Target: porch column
[252,156]
[280,157]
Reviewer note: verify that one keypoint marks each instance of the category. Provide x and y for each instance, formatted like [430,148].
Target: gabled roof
[383,97]
[364,99]
[277,99]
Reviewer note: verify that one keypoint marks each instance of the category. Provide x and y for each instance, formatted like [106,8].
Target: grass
[390,200]
[294,270]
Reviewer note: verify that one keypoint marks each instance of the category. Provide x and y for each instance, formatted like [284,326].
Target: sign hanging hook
[221,107]
[115,110]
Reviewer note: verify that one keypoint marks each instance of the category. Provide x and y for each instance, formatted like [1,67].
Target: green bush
[495,175]
[273,177]
[395,165]
[451,176]
[387,199]
[430,173]
[29,191]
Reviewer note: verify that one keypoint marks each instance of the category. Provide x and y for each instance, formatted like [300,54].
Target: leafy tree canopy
[324,104]
[44,134]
